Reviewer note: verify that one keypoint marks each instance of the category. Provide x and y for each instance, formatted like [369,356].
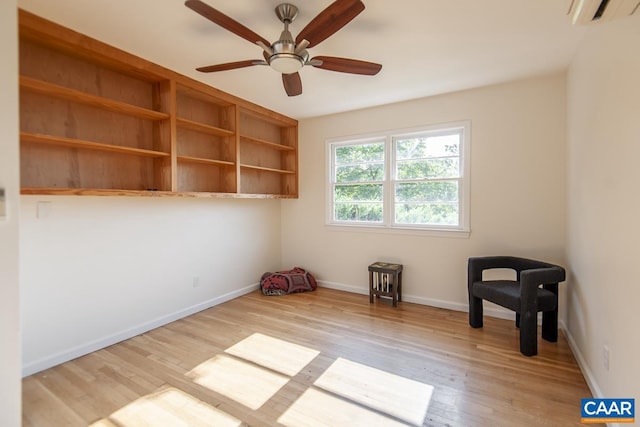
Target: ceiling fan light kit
[285,63]
[288,55]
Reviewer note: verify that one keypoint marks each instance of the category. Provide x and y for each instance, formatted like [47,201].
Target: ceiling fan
[288,55]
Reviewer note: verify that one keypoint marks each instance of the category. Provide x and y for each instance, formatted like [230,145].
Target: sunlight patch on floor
[243,382]
[392,394]
[168,407]
[281,356]
[254,370]
[316,408]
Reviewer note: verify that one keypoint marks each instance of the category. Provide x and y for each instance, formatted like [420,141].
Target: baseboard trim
[499,313]
[100,343]
[582,363]
[596,391]
[91,346]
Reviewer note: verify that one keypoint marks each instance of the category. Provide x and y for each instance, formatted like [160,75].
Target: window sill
[426,232]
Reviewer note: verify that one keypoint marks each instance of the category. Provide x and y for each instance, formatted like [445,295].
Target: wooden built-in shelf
[204,128]
[266,143]
[160,133]
[49,89]
[78,143]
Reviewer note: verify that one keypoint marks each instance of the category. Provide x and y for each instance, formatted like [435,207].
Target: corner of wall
[10,385]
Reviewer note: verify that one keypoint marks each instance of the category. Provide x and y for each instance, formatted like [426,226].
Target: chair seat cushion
[507,294]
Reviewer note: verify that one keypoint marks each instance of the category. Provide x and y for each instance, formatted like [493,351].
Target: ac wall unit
[589,11]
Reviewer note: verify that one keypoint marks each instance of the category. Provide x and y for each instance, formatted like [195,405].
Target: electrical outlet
[196,282]
[605,357]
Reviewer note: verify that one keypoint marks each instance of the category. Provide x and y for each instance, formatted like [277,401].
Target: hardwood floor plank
[479,377]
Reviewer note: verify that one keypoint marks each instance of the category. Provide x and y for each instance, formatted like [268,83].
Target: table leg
[370,287]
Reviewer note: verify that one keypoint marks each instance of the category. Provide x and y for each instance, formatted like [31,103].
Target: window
[415,178]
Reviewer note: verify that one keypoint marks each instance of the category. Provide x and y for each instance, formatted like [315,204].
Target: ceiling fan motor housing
[285,59]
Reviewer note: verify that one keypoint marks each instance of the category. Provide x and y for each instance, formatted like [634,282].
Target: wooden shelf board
[204,128]
[78,143]
[267,143]
[93,192]
[50,89]
[190,159]
[260,168]
[143,193]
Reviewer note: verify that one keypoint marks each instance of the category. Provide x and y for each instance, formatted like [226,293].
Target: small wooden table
[385,279]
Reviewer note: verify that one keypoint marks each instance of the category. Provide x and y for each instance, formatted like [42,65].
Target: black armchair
[524,296]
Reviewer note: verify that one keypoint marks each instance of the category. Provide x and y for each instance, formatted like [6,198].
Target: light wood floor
[324,355]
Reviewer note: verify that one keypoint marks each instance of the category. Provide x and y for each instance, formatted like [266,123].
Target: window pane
[365,212]
[424,147]
[358,193]
[360,173]
[427,214]
[360,153]
[428,168]
[433,191]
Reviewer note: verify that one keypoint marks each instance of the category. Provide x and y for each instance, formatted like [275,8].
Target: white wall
[603,204]
[517,191]
[96,270]
[10,413]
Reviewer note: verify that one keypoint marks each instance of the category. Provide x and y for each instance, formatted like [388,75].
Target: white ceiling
[427,47]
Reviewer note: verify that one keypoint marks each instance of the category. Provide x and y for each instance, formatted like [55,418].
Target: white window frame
[388,224]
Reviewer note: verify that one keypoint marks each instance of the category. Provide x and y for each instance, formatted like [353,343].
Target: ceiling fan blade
[346,65]
[292,84]
[224,21]
[330,20]
[230,66]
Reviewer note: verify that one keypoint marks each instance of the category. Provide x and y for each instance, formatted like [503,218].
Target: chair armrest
[530,280]
[478,264]
[542,276]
